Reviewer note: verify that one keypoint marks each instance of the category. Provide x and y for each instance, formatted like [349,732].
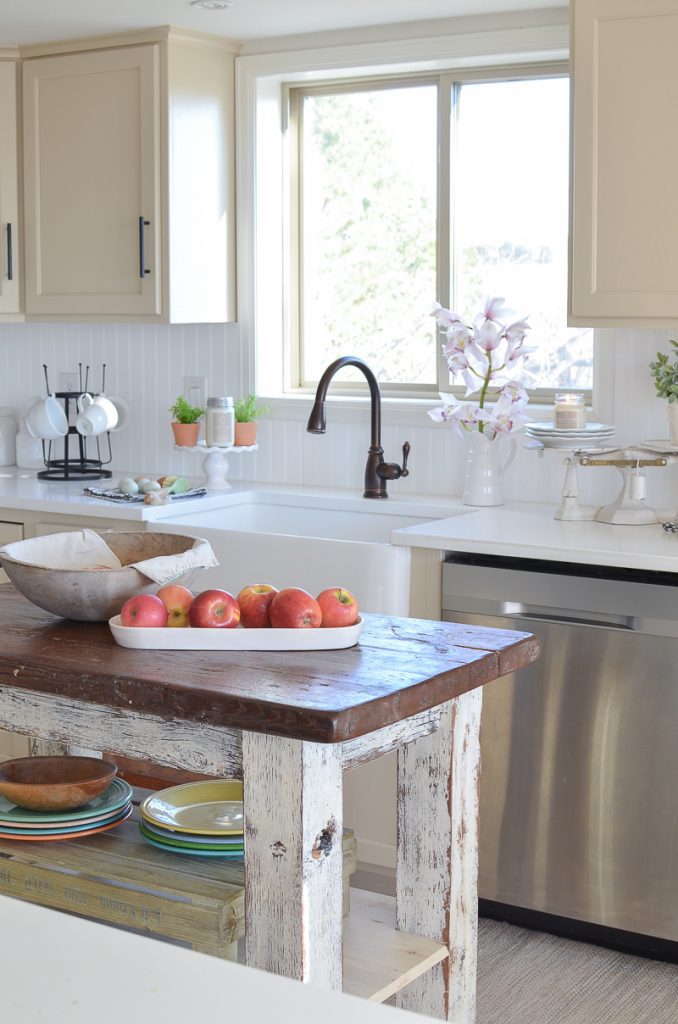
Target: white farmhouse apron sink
[293,539]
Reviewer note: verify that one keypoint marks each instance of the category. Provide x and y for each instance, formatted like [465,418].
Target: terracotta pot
[186,434]
[245,434]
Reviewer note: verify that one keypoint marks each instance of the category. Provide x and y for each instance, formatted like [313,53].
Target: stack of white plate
[593,435]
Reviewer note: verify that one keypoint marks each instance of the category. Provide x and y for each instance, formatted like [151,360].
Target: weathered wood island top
[289,723]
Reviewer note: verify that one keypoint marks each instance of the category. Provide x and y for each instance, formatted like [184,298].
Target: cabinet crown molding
[137,37]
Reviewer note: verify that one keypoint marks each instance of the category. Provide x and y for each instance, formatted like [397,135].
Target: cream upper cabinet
[10,263]
[624,209]
[128,180]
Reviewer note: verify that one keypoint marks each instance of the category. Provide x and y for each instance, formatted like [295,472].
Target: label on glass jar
[569,412]
[219,427]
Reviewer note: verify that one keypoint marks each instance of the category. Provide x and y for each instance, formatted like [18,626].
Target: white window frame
[263,193]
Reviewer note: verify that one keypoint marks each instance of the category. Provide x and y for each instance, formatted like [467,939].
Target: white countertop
[65,970]
[21,489]
[528,530]
[519,530]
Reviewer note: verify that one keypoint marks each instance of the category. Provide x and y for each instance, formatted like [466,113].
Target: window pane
[368,232]
[510,182]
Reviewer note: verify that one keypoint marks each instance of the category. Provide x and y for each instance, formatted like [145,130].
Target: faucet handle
[391,470]
[406,454]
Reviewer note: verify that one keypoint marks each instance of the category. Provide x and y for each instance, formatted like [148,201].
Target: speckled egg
[149,485]
[128,486]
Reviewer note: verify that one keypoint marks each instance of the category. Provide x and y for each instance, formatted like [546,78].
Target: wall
[146,364]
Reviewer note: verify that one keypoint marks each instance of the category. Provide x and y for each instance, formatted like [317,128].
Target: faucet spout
[377,471]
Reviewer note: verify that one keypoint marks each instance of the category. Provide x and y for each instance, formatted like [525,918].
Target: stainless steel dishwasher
[579,784]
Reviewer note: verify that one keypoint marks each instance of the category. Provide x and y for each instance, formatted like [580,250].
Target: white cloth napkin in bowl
[85,549]
[82,549]
[165,568]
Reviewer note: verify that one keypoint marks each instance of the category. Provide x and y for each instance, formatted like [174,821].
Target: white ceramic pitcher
[485,469]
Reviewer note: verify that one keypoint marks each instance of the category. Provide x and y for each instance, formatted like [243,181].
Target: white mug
[46,419]
[92,420]
[86,401]
[123,412]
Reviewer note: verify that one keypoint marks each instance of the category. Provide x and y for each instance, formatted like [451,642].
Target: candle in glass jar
[569,412]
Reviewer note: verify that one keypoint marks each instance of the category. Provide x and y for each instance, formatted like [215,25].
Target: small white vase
[485,469]
[672,414]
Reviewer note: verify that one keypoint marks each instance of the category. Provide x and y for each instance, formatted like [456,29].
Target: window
[414,189]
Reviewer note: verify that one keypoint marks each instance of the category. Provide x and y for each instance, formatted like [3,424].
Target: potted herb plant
[186,425]
[664,370]
[246,412]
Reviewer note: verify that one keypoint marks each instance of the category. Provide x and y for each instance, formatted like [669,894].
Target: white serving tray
[238,639]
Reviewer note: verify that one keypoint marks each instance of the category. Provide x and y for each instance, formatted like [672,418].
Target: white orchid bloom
[445,317]
[494,309]
[513,393]
[487,336]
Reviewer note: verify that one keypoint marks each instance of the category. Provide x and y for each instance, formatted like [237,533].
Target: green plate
[187,844]
[60,830]
[117,795]
[193,853]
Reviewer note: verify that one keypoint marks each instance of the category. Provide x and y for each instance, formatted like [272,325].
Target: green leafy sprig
[184,412]
[664,369]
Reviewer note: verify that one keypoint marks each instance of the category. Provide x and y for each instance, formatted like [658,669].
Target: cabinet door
[10,297]
[91,169]
[624,243]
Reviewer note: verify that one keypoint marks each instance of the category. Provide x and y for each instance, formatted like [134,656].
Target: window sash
[449,85]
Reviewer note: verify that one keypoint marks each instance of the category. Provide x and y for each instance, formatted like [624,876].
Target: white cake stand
[215,463]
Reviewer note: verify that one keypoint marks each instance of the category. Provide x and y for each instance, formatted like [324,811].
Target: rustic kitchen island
[289,723]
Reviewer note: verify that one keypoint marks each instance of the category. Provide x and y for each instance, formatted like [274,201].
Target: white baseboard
[381,855]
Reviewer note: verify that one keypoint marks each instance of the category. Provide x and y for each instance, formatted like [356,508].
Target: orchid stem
[483,392]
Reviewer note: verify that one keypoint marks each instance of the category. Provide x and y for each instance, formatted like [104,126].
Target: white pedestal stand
[215,463]
[569,509]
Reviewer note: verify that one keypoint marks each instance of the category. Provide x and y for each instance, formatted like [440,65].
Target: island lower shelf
[119,879]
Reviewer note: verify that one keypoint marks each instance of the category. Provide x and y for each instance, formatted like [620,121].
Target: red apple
[254,602]
[338,606]
[143,610]
[177,600]
[214,609]
[294,608]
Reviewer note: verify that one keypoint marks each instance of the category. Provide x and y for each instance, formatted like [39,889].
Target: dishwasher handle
[520,610]
[514,610]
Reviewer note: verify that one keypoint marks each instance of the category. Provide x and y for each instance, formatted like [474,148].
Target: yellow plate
[211,808]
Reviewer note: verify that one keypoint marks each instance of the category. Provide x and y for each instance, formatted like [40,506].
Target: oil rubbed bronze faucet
[377,471]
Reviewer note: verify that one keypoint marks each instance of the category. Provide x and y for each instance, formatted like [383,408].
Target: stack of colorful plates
[105,811]
[198,819]
[593,435]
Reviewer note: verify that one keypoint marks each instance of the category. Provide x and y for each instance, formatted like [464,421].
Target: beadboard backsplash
[146,364]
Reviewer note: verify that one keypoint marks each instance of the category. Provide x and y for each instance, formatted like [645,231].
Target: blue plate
[59,830]
[116,796]
[192,853]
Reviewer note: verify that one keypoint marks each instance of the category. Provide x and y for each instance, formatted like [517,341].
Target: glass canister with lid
[219,422]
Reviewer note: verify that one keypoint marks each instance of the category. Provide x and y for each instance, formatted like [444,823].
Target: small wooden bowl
[54,783]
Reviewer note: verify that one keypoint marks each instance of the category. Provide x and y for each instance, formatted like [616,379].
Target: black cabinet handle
[10,269]
[142,255]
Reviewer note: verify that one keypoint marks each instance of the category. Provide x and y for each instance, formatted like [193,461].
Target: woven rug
[527,977]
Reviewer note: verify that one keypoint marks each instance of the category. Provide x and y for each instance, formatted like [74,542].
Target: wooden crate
[117,877]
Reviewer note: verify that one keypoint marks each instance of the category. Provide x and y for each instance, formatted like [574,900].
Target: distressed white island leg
[437,863]
[293,858]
